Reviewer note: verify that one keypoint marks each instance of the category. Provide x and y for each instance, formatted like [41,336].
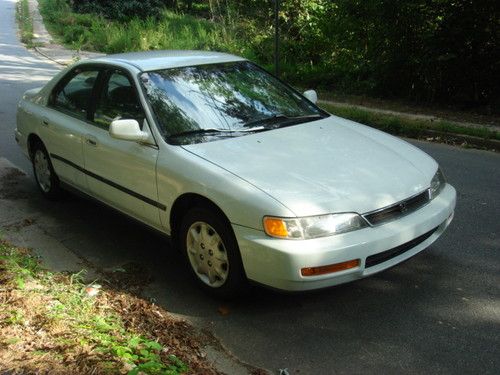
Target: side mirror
[311,95]
[127,130]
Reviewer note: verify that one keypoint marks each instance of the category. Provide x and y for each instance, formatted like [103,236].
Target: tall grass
[170,31]
[25,21]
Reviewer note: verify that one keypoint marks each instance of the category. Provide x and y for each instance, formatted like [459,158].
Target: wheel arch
[33,139]
[184,203]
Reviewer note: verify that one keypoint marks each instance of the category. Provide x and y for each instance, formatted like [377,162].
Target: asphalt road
[439,312]
[20,70]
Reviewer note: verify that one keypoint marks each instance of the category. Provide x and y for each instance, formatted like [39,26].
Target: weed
[14,317]
[11,341]
[25,21]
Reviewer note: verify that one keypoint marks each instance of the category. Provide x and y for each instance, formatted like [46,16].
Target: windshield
[208,102]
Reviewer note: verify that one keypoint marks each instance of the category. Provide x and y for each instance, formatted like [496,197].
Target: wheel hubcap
[42,170]
[207,254]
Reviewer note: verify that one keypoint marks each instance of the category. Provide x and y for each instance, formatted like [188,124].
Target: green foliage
[25,21]
[422,50]
[121,10]
[168,31]
[14,317]
[408,127]
[20,265]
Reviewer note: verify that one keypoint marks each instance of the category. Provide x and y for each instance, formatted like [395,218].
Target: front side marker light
[323,270]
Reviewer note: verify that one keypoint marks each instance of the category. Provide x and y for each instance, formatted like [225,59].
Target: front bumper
[278,263]
[22,141]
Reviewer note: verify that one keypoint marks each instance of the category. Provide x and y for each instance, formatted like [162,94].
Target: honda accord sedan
[250,179]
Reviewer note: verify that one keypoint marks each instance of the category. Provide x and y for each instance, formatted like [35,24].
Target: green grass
[171,31]
[73,323]
[403,126]
[25,22]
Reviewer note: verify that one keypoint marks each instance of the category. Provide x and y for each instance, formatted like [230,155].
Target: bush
[121,10]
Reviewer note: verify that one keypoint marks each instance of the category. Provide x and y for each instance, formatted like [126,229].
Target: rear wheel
[45,177]
[212,253]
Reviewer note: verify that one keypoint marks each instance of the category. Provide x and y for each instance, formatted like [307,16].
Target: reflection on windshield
[220,96]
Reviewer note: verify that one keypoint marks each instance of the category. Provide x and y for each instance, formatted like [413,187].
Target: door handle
[91,140]
[45,121]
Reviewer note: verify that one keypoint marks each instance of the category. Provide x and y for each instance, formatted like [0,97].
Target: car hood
[32,94]
[324,166]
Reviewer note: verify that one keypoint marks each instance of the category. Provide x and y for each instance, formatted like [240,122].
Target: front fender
[180,172]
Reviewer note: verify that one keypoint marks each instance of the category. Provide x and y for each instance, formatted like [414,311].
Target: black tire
[228,280]
[45,176]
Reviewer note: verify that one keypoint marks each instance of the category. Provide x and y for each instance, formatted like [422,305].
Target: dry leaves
[34,340]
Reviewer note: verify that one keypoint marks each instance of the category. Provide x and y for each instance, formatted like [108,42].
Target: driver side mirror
[311,95]
[127,130]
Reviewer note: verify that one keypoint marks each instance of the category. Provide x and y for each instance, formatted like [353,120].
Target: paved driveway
[437,313]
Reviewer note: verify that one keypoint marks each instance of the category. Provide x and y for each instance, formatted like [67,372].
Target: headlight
[303,228]
[437,183]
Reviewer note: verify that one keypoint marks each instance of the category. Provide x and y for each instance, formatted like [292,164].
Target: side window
[118,100]
[74,96]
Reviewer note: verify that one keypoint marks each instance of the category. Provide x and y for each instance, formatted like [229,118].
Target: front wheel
[212,253]
[45,177]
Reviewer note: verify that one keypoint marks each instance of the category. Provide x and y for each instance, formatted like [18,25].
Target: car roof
[155,60]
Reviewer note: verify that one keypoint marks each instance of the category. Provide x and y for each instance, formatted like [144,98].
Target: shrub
[121,10]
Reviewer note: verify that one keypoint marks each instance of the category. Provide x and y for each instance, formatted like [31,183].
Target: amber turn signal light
[315,271]
[275,227]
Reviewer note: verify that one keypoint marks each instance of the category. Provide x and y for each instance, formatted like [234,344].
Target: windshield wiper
[282,120]
[266,120]
[213,131]
[198,131]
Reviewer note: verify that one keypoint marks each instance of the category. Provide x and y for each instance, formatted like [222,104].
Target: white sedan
[250,178]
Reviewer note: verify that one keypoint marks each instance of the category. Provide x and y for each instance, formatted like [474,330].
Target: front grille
[375,259]
[397,210]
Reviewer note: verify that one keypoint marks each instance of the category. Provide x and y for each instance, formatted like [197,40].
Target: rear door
[65,122]
[121,173]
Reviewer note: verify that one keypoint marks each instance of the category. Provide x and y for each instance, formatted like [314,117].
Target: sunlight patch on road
[468,310]
[15,68]
[482,309]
